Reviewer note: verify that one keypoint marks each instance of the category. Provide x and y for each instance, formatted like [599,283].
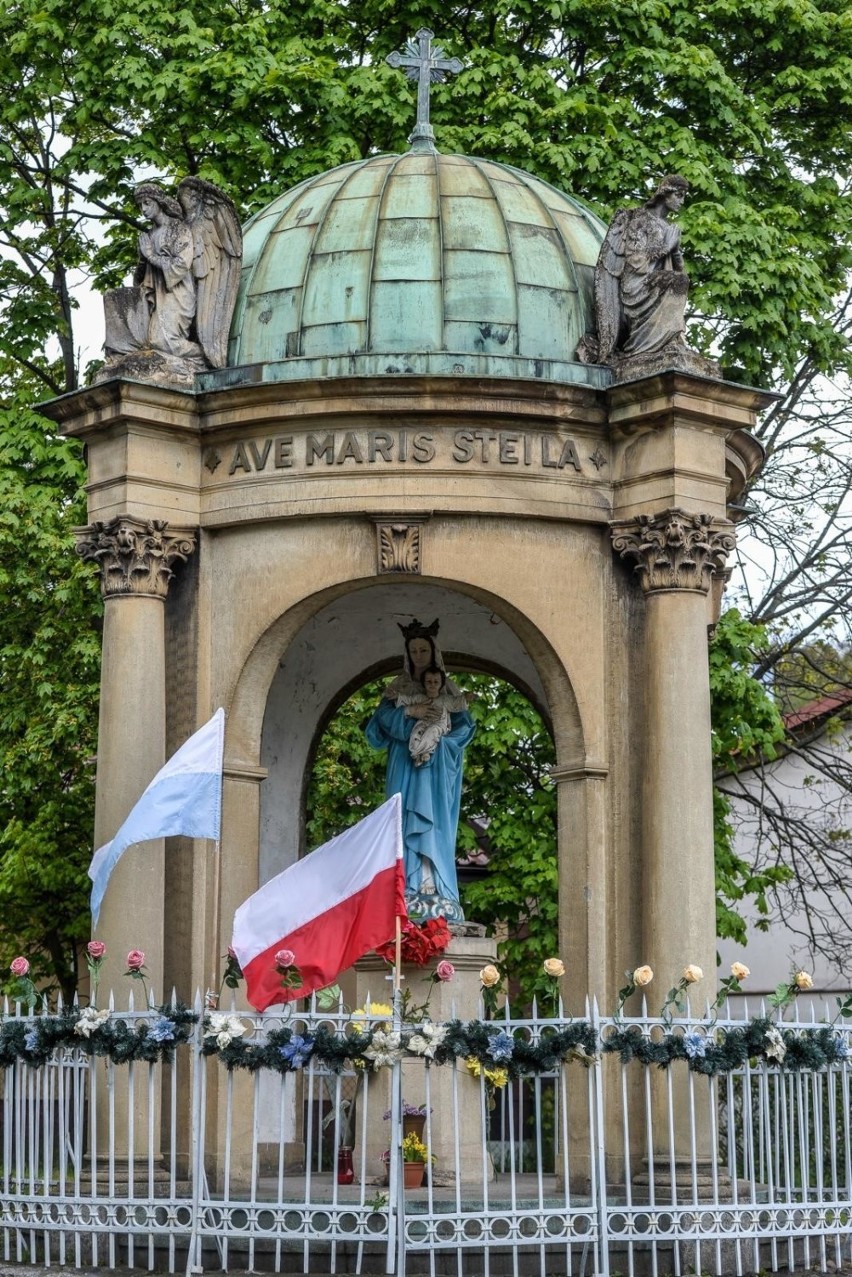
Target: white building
[814,797]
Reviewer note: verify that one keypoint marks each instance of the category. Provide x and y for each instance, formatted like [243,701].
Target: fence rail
[152,1139]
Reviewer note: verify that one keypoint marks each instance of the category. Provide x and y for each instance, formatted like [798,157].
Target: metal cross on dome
[424,62]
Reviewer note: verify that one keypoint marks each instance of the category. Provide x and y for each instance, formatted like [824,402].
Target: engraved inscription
[350,450]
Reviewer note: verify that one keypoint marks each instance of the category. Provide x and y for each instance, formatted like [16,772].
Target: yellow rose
[642,976]
[803,980]
[740,971]
[692,974]
[489,976]
[554,967]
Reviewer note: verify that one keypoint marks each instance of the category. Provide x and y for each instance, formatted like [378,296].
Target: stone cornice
[456,398]
[699,401]
[117,403]
[135,556]
[675,549]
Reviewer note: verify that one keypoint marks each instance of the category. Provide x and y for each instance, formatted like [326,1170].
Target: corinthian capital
[135,555]
[674,550]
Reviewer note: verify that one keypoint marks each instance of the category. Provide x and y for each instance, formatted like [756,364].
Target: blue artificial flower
[31,1040]
[695,1045]
[297,1051]
[501,1046]
[841,1048]
[161,1030]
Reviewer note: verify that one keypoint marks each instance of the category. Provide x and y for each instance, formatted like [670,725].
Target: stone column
[136,559]
[677,555]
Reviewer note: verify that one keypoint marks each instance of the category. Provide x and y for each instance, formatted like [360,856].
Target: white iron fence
[166,1139]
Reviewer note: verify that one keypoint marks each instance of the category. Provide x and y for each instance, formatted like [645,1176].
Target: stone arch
[286,690]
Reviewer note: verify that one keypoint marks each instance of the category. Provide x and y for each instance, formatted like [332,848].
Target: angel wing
[218,250]
[608,272]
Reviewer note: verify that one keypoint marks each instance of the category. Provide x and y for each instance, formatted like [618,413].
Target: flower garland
[482,1046]
[285,1051]
[716,1051]
[92,1032]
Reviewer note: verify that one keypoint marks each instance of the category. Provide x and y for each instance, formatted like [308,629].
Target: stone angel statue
[217,254]
[641,289]
[174,320]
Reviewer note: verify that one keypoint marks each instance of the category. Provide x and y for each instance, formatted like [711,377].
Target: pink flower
[135,960]
[20,967]
[285,958]
[444,970]
[96,949]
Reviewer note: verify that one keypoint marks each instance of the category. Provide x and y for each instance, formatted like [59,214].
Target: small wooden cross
[425,63]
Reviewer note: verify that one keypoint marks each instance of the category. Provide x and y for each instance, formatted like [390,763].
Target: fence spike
[111,1001]
[198,1003]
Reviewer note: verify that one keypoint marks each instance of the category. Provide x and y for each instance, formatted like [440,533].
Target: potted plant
[415,1155]
[413,1118]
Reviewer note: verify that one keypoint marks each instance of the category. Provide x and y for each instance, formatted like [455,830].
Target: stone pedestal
[453,1094]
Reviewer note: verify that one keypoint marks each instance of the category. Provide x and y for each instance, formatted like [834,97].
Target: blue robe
[431,793]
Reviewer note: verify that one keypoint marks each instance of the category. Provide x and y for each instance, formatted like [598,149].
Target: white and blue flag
[185,797]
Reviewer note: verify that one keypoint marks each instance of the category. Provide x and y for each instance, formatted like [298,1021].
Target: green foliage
[347,778]
[49,662]
[507,789]
[750,101]
[747,724]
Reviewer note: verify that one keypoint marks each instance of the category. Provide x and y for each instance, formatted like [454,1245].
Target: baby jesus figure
[432,708]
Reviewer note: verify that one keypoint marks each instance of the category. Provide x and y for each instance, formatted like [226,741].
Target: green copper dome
[418,263]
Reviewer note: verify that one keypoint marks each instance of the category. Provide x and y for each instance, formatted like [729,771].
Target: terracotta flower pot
[412,1173]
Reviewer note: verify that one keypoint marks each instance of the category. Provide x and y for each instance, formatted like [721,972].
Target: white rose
[740,971]
[554,967]
[642,975]
[692,974]
[803,980]
[489,976]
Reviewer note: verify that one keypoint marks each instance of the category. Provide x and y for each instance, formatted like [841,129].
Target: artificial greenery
[285,1051]
[706,1048]
[152,1037]
[714,1052]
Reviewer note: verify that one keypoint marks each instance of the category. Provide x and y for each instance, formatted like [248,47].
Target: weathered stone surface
[135,555]
[640,293]
[675,550]
[173,322]
[288,611]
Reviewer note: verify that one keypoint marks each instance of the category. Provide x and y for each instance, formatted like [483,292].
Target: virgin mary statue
[430,786]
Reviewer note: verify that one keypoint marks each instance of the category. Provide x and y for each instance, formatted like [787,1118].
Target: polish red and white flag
[328,909]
